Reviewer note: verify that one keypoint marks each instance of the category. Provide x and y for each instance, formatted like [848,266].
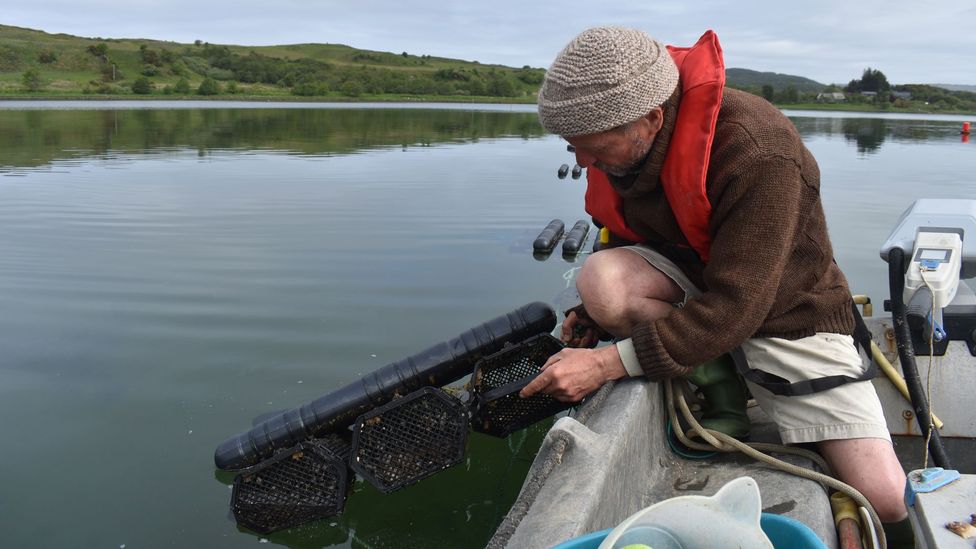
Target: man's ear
[656,119]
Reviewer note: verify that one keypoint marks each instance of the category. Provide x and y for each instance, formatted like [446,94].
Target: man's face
[619,151]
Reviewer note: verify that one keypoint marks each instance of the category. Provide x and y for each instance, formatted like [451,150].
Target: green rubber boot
[724,409]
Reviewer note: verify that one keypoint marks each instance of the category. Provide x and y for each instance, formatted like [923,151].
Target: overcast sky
[831,41]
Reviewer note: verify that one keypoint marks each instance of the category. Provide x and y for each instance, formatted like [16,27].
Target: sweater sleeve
[759,217]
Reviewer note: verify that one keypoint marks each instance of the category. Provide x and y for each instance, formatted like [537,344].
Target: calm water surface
[167,274]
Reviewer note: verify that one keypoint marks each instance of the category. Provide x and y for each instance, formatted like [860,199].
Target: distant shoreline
[826,107]
[271,98]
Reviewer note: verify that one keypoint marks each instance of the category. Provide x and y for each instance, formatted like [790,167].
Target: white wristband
[628,356]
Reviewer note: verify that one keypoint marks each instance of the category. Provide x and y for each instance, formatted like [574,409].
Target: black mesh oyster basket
[409,439]
[307,482]
[497,380]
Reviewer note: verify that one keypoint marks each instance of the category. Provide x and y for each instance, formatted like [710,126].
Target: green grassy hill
[36,64]
[41,64]
[745,78]
[70,65]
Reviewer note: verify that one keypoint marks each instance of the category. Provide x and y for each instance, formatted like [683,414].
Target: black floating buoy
[548,237]
[563,170]
[576,238]
[577,170]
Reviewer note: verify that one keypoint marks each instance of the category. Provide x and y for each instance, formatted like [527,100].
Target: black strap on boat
[783,387]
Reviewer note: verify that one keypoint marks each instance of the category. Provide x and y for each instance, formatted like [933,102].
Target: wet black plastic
[497,380]
[409,439]
[547,239]
[436,366]
[305,483]
[576,238]
[906,355]
[562,171]
[577,171]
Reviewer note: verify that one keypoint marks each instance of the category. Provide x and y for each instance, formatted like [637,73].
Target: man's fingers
[535,386]
[567,328]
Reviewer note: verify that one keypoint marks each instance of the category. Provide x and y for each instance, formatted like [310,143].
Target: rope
[928,375]
[670,400]
[724,443]
[568,275]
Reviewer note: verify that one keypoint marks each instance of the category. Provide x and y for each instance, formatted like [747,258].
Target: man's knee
[602,277]
[870,465]
[888,500]
[620,288]
[617,275]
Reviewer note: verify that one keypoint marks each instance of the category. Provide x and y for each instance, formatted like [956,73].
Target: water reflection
[153,303]
[34,138]
[868,134]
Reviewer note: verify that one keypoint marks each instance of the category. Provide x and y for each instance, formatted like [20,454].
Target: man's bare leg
[620,289]
[870,466]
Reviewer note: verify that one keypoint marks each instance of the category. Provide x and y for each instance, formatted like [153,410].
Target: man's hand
[579,330]
[572,374]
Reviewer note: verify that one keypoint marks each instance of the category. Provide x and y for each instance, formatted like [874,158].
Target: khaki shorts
[849,411]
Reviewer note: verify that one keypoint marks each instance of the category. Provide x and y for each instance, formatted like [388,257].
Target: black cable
[906,354]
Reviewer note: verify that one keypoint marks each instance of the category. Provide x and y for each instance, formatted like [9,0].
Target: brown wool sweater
[771,272]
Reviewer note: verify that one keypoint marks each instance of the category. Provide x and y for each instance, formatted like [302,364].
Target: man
[723,198]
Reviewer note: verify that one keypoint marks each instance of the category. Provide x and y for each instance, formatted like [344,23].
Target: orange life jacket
[702,72]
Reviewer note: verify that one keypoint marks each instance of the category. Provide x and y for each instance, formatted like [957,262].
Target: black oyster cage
[409,439]
[498,410]
[307,482]
[395,445]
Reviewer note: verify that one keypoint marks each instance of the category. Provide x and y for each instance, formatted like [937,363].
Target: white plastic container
[730,518]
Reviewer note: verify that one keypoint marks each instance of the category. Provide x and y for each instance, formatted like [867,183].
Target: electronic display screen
[938,255]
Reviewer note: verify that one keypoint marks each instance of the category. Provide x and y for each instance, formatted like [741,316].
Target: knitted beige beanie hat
[605,77]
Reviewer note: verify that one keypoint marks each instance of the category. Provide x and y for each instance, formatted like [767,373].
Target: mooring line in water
[570,274]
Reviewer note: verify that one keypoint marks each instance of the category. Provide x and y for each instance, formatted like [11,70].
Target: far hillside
[745,78]
[59,64]
[36,64]
[956,87]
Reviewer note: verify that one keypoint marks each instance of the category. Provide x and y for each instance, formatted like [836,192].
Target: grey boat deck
[610,457]
[592,474]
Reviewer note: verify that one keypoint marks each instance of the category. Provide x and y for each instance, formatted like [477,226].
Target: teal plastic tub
[784,532]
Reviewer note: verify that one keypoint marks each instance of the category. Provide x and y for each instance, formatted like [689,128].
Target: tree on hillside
[768,92]
[871,81]
[182,87]
[530,76]
[789,96]
[874,81]
[32,80]
[149,57]
[499,85]
[209,86]
[142,86]
[351,88]
[100,50]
